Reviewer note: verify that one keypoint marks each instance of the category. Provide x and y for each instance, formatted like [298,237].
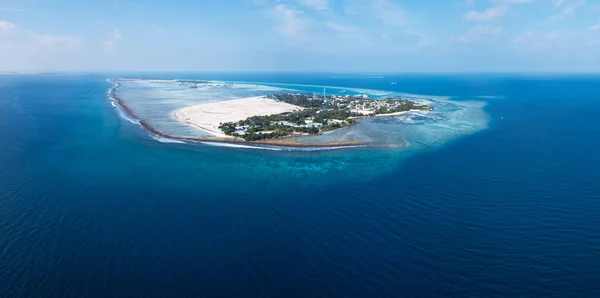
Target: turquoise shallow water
[91,205]
[155,101]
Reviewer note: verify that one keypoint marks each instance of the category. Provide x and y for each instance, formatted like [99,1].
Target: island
[290,114]
[282,118]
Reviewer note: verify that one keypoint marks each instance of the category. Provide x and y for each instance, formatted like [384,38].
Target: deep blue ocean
[91,205]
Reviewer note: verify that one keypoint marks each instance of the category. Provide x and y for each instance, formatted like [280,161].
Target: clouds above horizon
[7,27]
[316,4]
[114,38]
[488,14]
[332,35]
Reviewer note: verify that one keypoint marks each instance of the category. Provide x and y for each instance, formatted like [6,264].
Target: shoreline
[400,113]
[181,118]
[282,142]
[209,116]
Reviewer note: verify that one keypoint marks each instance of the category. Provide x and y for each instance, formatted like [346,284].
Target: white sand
[209,116]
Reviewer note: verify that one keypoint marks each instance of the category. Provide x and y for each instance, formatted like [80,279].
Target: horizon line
[365,73]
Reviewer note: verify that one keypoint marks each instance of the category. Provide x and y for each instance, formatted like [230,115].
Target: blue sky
[301,35]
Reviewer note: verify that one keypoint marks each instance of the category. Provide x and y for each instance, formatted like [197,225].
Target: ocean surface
[92,205]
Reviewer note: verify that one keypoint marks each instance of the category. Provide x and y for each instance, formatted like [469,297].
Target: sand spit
[209,116]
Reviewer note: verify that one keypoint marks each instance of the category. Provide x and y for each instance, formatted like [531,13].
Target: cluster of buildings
[163,82]
[191,84]
[363,105]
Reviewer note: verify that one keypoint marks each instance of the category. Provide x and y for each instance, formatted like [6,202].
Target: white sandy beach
[209,116]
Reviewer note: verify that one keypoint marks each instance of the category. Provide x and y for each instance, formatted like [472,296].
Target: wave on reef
[231,145]
[277,148]
[166,140]
[123,114]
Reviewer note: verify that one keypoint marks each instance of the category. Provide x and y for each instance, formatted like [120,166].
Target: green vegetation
[399,105]
[301,100]
[320,114]
[273,126]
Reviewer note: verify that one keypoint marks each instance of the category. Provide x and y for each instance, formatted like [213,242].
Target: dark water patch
[91,207]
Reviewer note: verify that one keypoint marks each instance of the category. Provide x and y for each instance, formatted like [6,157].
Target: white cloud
[568,8]
[348,33]
[57,40]
[33,51]
[558,3]
[7,28]
[378,17]
[353,8]
[33,39]
[114,38]
[316,4]
[595,27]
[389,13]
[569,42]
[567,11]
[421,42]
[291,21]
[461,40]
[530,36]
[536,41]
[489,14]
[499,10]
[116,34]
[478,33]
[391,33]
[513,1]
[340,28]
[484,30]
